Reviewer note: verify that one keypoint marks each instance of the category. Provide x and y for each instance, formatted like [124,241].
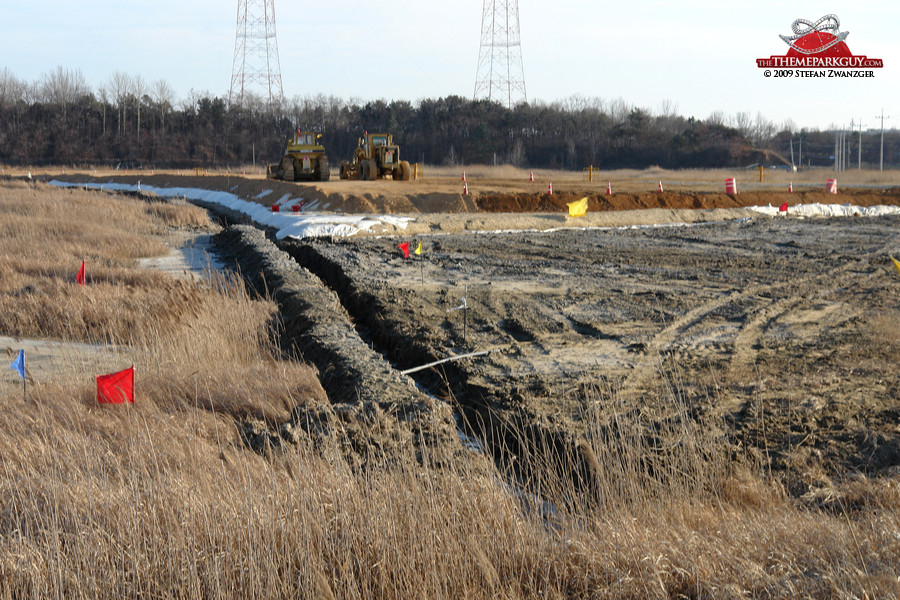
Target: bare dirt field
[779,334]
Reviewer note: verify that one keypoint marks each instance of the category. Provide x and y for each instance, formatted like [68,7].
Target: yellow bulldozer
[376,156]
[304,160]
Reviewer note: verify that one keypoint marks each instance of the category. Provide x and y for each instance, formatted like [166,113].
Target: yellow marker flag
[896,263]
[578,209]
[419,248]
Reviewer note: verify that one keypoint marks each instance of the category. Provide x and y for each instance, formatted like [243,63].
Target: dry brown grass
[147,502]
[179,215]
[161,499]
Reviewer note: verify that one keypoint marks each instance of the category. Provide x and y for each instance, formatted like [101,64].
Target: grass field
[162,499]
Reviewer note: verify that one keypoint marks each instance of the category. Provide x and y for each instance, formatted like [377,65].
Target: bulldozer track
[751,330]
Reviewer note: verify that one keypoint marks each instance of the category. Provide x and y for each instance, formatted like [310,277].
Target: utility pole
[859,159]
[845,136]
[843,161]
[882,135]
[837,153]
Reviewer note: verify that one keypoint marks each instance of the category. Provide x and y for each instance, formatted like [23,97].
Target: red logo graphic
[818,45]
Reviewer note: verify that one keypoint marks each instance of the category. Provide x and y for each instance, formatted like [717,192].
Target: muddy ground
[780,338]
[781,333]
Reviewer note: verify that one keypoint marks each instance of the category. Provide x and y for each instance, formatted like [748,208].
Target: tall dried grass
[147,501]
[160,499]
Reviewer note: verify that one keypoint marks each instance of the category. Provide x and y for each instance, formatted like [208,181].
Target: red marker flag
[405,247]
[783,208]
[80,277]
[116,388]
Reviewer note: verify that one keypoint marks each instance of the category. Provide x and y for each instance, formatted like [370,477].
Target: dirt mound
[444,196]
[528,202]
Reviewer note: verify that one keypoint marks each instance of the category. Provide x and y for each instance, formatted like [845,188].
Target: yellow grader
[376,156]
[304,160]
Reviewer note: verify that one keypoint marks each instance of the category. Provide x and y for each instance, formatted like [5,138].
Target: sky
[694,55]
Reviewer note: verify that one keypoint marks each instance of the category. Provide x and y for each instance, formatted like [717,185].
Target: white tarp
[829,210]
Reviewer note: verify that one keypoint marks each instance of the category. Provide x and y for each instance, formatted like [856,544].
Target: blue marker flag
[19,364]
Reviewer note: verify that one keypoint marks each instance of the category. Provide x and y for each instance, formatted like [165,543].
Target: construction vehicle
[376,156]
[304,160]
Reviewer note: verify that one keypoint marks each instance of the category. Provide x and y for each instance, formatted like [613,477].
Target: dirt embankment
[529,202]
[446,196]
[375,413]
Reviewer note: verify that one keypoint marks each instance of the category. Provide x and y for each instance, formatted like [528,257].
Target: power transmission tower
[500,75]
[256,68]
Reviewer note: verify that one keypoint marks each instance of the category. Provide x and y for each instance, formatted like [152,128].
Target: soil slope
[441,195]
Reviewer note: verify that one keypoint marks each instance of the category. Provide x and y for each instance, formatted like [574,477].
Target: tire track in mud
[753,327]
[822,284]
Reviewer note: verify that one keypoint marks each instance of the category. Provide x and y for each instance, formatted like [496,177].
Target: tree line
[130,122]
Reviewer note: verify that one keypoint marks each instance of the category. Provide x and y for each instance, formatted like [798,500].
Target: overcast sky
[698,55]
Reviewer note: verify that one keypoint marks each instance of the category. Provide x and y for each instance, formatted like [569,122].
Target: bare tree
[574,103]
[63,87]
[619,110]
[31,93]
[789,126]
[120,85]
[717,117]
[668,121]
[743,123]
[517,153]
[763,129]
[11,89]
[189,105]
[668,108]
[139,87]
[103,93]
[163,96]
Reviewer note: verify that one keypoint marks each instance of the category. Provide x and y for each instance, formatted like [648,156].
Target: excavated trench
[375,412]
[508,434]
